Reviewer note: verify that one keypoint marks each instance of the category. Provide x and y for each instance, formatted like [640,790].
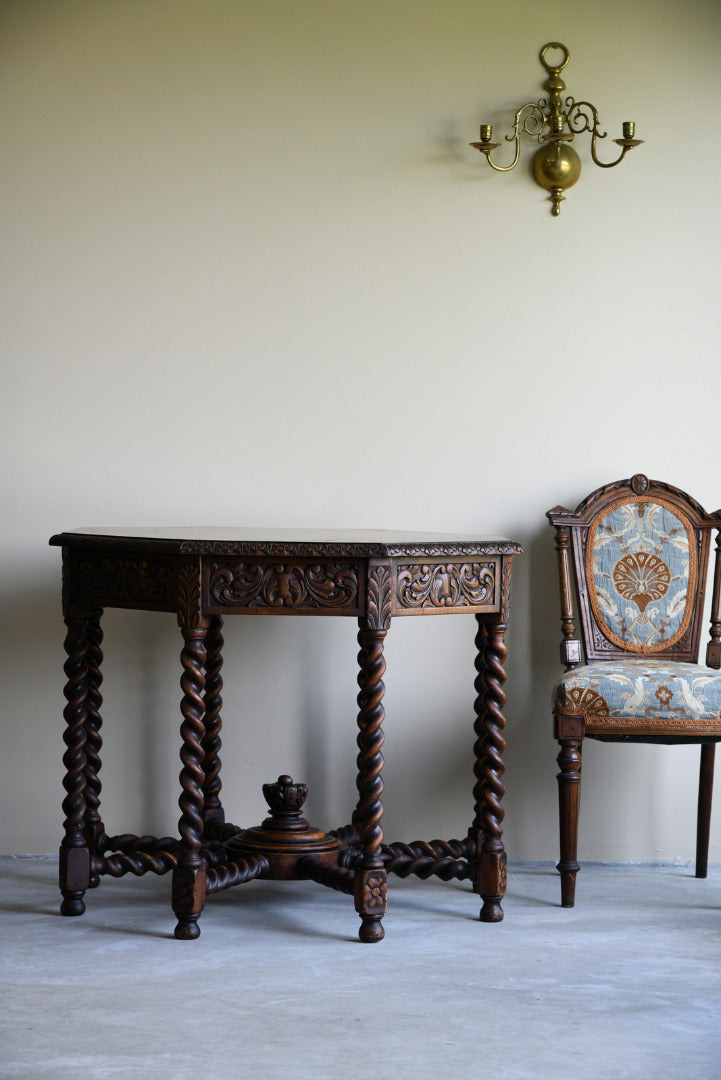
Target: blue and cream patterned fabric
[679,696]
[641,573]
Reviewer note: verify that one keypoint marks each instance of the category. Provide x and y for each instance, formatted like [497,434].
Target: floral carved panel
[292,585]
[455,586]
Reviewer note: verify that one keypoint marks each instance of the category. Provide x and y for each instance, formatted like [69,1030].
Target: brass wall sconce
[556,165]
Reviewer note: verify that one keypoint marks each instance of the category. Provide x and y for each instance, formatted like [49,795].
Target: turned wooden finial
[285,799]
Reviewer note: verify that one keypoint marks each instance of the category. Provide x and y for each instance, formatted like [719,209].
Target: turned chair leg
[705,792]
[569,732]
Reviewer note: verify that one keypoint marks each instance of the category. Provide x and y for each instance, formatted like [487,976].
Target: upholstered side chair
[633,561]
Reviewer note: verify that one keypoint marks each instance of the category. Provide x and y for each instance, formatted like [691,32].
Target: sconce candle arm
[487,151]
[531,114]
[583,116]
[606,164]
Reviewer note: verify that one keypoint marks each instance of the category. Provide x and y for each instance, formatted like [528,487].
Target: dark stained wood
[213,703]
[705,792]
[202,575]
[490,862]
[290,846]
[572,532]
[189,874]
[94,830]
[713,650]
[370,882]
[569,732]
[570,646]
[74,851]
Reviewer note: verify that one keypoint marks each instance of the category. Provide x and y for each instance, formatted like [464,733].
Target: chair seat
[642,696]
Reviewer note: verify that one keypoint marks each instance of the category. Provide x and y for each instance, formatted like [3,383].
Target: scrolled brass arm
[583,116]
[534,121]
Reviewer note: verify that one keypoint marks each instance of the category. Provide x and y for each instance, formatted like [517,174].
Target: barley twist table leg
[475,833]
[370,879]
[213,811]
[489,792]
[74,854]
[94,830]
[189,881]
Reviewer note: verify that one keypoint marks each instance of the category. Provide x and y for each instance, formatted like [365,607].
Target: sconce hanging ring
[553,69]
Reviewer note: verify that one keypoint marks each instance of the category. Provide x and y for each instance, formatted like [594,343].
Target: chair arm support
[713,649]
[570,645]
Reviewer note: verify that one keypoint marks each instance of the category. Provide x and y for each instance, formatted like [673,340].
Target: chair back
[640,551]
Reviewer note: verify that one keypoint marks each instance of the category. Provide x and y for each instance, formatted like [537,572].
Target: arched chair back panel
[633,563]
[640,553]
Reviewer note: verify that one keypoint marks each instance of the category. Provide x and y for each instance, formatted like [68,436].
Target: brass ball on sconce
[556,167]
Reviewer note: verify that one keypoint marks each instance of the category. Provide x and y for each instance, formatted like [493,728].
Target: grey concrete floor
[625,985]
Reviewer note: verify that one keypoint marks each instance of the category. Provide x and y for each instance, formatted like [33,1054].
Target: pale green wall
[253,274]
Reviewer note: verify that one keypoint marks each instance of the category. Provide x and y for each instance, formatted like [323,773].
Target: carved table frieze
[124,582]
[456,586]
[330,584]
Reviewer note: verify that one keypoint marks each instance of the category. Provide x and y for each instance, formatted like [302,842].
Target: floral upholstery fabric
[630,694]
[641,571]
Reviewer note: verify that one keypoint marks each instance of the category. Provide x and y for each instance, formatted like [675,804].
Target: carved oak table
[203,575]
